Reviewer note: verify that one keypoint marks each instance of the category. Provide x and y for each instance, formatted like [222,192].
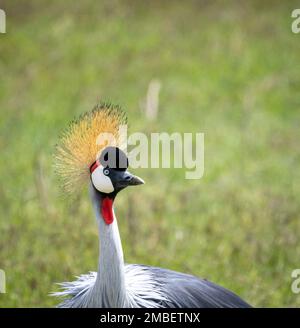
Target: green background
[229,69]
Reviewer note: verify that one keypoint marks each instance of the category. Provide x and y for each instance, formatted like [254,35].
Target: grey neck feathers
[109,288]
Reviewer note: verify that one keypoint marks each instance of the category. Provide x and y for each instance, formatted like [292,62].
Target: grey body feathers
[153,287]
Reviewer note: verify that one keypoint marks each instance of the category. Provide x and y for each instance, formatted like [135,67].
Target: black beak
[127,179]
[135,181]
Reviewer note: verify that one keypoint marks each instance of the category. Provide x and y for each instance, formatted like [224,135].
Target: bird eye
[106,172]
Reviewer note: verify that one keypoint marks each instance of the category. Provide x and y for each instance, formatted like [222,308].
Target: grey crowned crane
[80,158]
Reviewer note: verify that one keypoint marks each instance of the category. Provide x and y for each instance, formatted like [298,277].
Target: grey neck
[109,288]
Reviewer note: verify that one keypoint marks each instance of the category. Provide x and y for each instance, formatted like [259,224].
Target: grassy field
[228,69]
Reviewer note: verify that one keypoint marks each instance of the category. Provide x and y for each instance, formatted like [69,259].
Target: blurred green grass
[228,69]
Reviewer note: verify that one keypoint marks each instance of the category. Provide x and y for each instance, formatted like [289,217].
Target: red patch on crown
[94,166]
[107,210]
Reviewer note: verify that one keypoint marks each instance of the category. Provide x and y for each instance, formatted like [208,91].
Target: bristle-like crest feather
[78,147]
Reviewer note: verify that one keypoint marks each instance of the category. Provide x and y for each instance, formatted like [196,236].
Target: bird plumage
[153,287]
[130,285]
[116,284]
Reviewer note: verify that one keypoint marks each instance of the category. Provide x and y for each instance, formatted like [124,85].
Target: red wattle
[107,210]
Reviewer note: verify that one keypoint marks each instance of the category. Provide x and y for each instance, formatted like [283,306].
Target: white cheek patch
[101,181]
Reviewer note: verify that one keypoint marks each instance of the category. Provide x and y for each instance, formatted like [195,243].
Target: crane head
[80,145]
[83,156]
[109,173]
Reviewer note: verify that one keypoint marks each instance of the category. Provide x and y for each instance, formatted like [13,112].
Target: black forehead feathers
[114,158]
